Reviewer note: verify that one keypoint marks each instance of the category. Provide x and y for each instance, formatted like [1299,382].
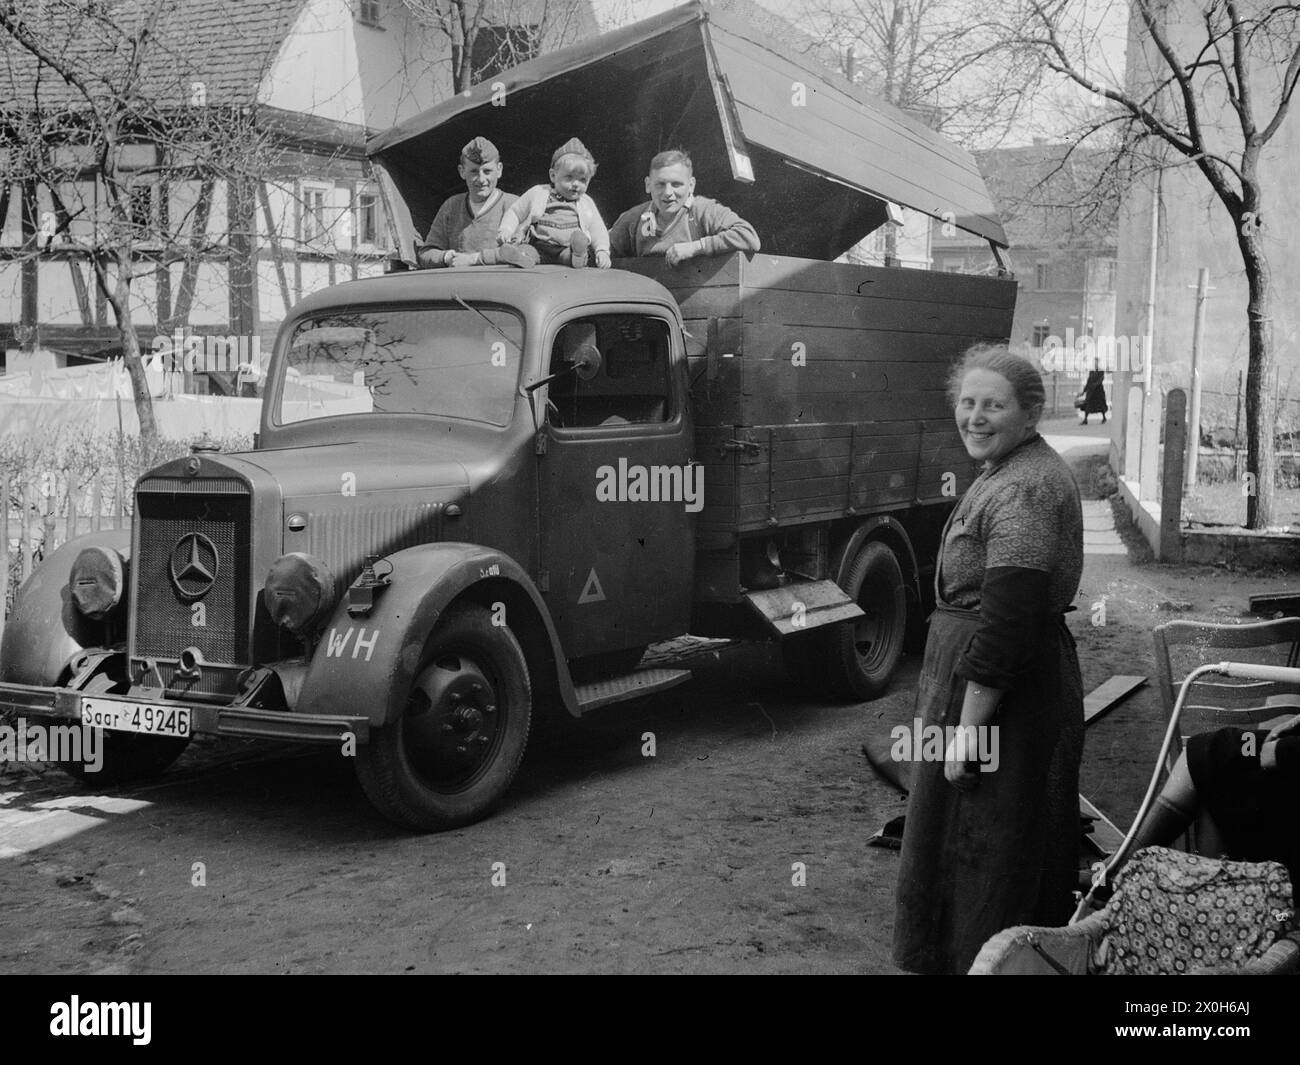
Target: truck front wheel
[451,755]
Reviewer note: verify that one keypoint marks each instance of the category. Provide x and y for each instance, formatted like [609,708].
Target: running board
[598,693]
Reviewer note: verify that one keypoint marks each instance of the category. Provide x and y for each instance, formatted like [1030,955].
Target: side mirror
[587,362]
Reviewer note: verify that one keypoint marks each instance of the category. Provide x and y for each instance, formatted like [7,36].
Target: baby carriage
[1174,912]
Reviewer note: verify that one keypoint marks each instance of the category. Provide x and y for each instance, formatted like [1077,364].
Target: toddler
[560,220]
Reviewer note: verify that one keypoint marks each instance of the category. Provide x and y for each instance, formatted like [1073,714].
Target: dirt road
[739,845]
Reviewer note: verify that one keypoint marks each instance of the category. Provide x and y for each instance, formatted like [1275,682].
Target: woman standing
[984,850]
[1094,396]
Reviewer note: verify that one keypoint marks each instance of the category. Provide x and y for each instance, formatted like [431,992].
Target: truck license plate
[135,717]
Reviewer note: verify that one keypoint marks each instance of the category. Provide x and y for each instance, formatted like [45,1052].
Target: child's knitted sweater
[532,205]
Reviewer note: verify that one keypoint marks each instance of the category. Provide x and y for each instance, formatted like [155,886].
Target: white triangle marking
[592,592]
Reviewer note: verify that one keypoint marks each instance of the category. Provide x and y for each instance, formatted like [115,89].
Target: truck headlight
[299,592]
[97,582]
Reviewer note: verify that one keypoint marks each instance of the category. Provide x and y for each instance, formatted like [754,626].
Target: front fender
[45,631]
[366,665]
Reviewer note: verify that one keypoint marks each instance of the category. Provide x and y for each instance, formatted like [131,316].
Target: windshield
[451,360]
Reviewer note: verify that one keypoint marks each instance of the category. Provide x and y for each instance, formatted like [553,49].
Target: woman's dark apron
[1005,852]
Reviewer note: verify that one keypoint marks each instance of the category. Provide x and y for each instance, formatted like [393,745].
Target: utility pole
[1194,414]
[1151,286]
[1149,447]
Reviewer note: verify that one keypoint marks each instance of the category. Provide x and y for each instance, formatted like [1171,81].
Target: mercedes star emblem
[194,566]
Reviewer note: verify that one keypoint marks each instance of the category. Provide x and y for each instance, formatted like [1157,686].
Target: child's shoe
[523,255]
[579,243]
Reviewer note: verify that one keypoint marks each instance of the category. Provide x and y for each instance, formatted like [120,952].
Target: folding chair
[1214,700]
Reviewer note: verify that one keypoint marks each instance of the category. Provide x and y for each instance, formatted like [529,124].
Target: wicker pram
[1164,915]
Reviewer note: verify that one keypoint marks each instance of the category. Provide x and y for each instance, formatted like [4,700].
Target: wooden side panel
[715,524]
[802,310]
[824,373]
[828,394]
[716,402]
[807,473]
[703,288]
[878,282]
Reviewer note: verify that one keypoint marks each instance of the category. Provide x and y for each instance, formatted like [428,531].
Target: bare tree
[487,36]
[1209,92]
[102,121]
[924,56]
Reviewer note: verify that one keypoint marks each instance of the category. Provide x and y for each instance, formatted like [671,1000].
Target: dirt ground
[254,859]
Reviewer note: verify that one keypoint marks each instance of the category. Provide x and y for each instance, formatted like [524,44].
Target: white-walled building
[321,76]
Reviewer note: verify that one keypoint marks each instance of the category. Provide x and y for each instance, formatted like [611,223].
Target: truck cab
[465,380]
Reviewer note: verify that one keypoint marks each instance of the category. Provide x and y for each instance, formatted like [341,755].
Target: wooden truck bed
[819,388]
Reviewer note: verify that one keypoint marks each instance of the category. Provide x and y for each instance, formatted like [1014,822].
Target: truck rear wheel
[856,659]
[861,655]
[123,756]
[451,755]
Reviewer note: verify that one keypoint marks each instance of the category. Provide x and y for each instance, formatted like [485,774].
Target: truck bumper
[64,704]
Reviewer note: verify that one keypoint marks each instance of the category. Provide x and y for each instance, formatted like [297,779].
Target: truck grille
[194,565]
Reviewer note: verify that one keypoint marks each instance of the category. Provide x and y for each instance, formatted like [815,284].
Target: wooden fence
[41,511]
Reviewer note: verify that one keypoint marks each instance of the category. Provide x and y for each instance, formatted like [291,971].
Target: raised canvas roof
[806,157]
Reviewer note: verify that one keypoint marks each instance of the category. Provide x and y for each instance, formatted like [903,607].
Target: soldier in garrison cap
[464,231]
[560,221]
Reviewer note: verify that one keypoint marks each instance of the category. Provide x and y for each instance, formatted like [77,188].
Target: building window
[1041,333]
[1040,276]
[366,225]
[144,212]
[1103,279]
[312,226]
[369,12]
[498,48]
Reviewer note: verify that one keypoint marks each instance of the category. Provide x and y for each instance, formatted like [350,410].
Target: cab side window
[632,383]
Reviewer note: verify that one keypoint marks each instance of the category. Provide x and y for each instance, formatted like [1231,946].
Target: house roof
[228,45]
[825,157]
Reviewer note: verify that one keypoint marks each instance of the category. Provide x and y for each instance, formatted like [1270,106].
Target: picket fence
[41,511]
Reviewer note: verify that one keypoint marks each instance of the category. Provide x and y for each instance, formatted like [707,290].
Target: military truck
[477,493]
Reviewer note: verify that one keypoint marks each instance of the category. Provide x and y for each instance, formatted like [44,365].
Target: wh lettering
[335,644]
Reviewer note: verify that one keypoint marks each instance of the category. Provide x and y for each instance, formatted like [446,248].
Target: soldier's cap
[479,151]
[572,146]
